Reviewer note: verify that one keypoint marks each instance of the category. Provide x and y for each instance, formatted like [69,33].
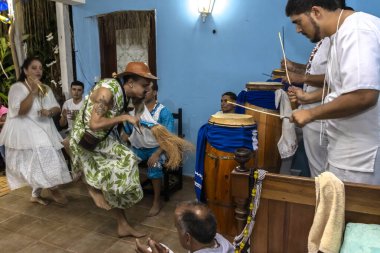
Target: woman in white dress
[32,142]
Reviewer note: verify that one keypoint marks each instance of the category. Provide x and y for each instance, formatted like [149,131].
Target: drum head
[232,120]
[264,86]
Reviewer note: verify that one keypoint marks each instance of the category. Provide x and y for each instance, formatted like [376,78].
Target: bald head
[197,220]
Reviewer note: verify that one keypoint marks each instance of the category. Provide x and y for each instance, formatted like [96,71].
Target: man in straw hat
[110,168]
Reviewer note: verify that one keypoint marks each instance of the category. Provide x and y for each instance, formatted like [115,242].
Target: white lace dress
[32,143]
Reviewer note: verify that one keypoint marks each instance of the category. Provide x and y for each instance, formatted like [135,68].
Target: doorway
[124,37]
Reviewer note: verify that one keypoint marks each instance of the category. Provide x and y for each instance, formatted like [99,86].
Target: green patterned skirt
[111,168]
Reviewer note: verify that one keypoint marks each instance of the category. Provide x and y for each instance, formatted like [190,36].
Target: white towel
[327,230]
[287,145]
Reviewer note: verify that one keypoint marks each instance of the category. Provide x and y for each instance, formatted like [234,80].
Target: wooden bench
[287,209]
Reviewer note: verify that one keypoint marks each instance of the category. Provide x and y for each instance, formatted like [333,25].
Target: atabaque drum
[261,96]
[226,133]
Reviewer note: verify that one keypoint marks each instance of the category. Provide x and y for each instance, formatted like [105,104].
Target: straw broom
[174,146]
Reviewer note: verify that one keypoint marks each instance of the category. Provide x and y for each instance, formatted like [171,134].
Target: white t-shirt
[72,110]
[354,64]
[318,67]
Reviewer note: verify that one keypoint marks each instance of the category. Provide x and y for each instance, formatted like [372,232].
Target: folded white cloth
[287,145]
[327,230]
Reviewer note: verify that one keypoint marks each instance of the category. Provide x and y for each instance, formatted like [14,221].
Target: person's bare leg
[36,197]
[66,146]
[156,207]
[58,196]
[98,198]
[123,227]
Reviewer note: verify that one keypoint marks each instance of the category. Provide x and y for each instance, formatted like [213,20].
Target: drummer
[226,107]
[352,108]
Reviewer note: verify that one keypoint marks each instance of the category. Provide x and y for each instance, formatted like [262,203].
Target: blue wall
[196,66]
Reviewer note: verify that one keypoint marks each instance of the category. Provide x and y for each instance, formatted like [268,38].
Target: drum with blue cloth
[225,133]
[261,96]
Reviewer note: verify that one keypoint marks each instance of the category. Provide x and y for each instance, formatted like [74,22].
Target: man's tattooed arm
[103,101]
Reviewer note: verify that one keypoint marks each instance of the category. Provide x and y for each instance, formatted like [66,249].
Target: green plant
[7,70]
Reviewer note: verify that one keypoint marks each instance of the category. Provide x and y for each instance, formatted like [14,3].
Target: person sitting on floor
[196,227]
[146,147]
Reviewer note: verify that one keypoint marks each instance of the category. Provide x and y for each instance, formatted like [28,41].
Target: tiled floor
[81,226]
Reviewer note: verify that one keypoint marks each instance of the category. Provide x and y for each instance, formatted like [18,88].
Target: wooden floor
[4,189]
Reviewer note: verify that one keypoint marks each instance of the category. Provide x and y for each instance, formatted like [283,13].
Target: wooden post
[65,47]
[240,193]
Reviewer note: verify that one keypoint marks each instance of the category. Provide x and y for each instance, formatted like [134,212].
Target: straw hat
[137,68]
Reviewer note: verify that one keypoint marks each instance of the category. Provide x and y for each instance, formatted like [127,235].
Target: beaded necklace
[242,241]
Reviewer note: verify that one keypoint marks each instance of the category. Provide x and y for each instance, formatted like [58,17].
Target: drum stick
[283,54]
[256,110]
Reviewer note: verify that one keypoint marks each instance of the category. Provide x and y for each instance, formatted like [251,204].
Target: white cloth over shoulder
[146,138]
[287,145]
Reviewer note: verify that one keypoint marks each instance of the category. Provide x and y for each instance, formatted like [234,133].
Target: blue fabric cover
[3,5]
[261,98]
[361,238]
[218,137]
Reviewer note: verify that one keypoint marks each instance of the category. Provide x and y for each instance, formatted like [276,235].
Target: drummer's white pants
[316,152]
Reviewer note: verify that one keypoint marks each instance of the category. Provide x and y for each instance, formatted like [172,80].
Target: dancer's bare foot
[98,198]
[156,208]
[39,200]
[76,176]
[58,197]
[126,230]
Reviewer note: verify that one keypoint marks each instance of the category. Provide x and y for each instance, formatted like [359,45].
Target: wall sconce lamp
[205,8]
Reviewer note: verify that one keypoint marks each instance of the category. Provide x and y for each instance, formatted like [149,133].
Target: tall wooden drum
[227,129]
[269,127]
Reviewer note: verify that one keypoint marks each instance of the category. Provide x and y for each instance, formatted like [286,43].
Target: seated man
[147,148]
[70,109]
[72,106]
[196,227]
[226,107]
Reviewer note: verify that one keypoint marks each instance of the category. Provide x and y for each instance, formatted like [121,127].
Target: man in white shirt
[72,106]
[351,109]
[70,109]
[312,74]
